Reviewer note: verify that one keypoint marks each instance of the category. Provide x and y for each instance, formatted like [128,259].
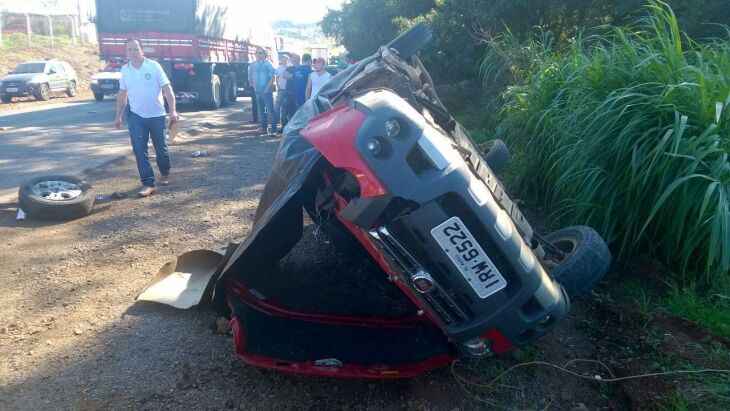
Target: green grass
[627,132]
[18,40]
[710,308]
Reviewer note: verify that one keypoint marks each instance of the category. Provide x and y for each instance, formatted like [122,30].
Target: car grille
[418,161]
[446,308]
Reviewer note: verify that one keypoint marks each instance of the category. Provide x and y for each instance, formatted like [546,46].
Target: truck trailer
[203,45]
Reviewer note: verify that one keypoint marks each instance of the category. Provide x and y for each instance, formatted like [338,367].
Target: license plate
[468,257]
[107,86]
[12,89]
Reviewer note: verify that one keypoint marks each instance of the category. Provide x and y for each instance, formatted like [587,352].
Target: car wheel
[71,90]
[6,99]
[411,40]
[577,257]
[56,197]
[99,96]
[44,93]
[496,154]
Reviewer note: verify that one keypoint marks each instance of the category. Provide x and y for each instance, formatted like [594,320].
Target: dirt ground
[73,337]
[85,60]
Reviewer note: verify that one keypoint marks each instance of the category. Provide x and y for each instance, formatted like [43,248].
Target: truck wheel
[56,197]
[496,154]
[99,96]
[584,262]
[6,99]
[44,93]
[71,90]
[225,90]
[234,88]
[215,93]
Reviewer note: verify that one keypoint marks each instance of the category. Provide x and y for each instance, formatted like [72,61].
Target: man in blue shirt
[301,75]
[263,84]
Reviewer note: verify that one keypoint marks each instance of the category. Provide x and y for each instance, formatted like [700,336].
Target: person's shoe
[146,191]
[165,180]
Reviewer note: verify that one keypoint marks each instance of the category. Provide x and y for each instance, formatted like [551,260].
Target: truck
[204,46]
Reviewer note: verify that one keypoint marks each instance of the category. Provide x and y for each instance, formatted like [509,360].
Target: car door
[56,76]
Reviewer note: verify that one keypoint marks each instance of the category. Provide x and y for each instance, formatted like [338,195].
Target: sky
[297,11]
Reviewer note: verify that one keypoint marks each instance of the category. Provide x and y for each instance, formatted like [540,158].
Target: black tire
[215,91]
[496,154]
[411,40]
[225,91]
[71,90]
[99,96]
[234,88]
[44,93]
[44,208]
[6,99]
[586,258]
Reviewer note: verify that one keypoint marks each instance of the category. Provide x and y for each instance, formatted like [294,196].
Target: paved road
[66,139]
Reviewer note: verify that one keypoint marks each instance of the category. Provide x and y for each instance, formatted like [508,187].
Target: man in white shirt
[143,82]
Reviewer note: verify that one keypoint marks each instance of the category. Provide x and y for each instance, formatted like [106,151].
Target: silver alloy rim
[56,190]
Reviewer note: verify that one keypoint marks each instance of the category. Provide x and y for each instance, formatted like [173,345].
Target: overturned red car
[385,246]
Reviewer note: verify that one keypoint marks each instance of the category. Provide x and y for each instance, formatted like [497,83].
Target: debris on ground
[185,382]
[200,153]
[21,214]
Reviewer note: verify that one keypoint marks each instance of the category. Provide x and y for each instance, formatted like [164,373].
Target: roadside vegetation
[616,113]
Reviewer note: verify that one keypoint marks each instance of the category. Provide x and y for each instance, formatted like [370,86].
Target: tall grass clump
[629,132]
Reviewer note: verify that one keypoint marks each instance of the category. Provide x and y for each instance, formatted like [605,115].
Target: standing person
[281,91]
[263,83]
[143,83]
[254,108]
[318,78]
[301,77]
[290,106]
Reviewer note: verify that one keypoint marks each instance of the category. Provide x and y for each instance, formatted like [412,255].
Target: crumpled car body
[436,260]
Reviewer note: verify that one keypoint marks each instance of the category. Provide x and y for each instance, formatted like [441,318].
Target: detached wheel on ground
[71,90]
[496,154]
[578,258]
[44,93]
[56,197]
[99,96]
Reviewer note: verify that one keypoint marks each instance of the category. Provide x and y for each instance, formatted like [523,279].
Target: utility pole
[50,29]
[78,9]
[27,27]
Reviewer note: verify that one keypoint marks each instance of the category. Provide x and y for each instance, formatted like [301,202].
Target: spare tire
[584,261]
[56,197]
[496,154]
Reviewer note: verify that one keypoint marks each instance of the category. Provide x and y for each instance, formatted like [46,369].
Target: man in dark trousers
[143,83]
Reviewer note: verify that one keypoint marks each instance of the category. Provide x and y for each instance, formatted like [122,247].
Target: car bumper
[105,87]
[19,90]
[420,167]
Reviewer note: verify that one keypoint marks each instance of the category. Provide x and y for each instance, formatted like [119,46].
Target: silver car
[39,78]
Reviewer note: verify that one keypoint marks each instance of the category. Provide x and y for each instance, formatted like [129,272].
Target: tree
[364,25]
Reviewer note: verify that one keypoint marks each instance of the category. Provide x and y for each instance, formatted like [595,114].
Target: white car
[105,83]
